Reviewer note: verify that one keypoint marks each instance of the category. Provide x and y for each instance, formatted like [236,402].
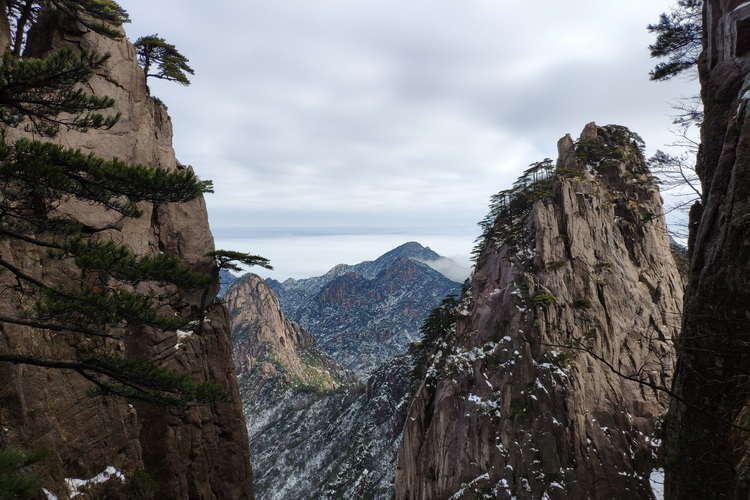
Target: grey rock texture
[200,452]
[337,445]
[505,411]
[226,280]
[707,439]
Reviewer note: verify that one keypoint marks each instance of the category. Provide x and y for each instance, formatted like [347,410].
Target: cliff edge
[199,452]
[575,286]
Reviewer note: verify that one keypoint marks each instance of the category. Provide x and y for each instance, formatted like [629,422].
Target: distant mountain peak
[411,246]
[365,313]
[411,249]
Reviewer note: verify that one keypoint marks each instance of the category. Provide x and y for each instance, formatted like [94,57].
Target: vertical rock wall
[504,411]
[708,443]
[199,453]
[274,356]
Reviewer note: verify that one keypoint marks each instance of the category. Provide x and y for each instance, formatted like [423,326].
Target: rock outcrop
[200,452]
[707,440]
[365,314]
[274,357]
[575,266]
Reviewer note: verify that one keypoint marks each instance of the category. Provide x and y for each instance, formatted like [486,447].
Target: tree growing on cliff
[436,326]
[98,292]
[169,64]
[678,39]
[678,44]
[101,16]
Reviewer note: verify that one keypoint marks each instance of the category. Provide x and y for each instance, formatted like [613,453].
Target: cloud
[449,268]
[392,113]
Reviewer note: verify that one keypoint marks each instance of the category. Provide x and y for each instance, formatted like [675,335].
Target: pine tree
[437,325]
[101,16]
[14,484]
[171,65]
[99,305]
[678,39]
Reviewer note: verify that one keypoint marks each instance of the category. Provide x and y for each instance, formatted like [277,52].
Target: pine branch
[171,64]
[228,259]
[55,327]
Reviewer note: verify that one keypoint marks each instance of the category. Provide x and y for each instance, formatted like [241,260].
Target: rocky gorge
[547,384]
[588,355]
[320,429]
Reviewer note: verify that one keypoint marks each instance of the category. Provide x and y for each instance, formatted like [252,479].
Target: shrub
[544,299]
[582,303]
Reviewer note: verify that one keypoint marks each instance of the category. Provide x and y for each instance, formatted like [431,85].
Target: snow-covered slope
[338,445]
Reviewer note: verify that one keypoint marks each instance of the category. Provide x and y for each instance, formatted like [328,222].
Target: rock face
[314,432]
[576,256]
[707,441]
[338,445]
[364,314]
[273,356]
[200,452]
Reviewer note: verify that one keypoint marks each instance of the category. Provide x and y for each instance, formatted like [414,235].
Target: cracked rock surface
[506,410]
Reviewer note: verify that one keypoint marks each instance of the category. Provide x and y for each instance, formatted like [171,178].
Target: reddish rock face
[273,355]
[198,453]
[503,412]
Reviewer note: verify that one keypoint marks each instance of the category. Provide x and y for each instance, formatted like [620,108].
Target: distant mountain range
[366,313]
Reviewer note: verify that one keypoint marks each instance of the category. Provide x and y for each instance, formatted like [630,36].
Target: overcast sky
[335,129]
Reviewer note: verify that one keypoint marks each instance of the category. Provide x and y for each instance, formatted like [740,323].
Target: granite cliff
[575,286]
[708,449]
[198,452]
[274,357]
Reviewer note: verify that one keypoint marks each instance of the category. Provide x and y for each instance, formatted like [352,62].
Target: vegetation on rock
[155,52]
[109,291]
[678,39]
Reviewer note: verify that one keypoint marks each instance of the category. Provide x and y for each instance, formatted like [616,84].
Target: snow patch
[78,487]
[460,493]
[49,495]
[656,479]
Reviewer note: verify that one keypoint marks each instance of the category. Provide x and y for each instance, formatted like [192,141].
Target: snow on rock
[574,276]
[78,487]
[656,479]
[49,495]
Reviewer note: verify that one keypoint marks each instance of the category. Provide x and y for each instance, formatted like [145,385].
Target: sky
[335,130]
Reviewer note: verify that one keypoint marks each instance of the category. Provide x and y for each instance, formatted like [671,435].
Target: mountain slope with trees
[315,432]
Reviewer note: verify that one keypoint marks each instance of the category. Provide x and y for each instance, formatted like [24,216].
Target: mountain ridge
[366,313]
